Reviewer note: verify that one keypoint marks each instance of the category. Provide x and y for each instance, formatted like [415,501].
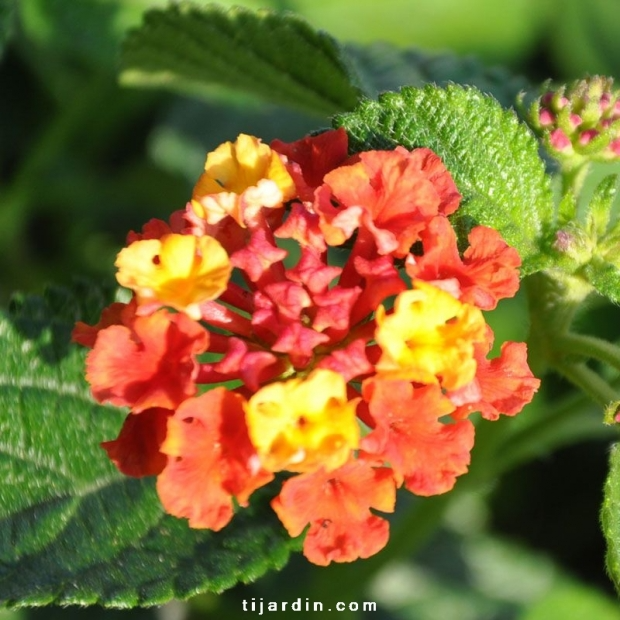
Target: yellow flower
[180,271]
[239,179]
[302,424]
[429,338]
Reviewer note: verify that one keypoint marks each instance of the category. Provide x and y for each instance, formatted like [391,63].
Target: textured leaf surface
[278,57]
[604,277]
[491,155]
[72,529]
[610,516]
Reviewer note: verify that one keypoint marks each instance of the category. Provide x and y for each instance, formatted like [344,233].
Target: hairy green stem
[553,300]
[589,347]
[573,178]
[588,381]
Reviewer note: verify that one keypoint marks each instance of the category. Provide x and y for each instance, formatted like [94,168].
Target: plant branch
[588,346]
[589,381]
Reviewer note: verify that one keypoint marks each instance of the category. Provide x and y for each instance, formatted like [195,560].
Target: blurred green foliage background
[83,160]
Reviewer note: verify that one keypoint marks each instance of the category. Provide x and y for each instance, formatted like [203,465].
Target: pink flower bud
[587,136]
[614,147]
[575,120]
[559,140]
[547,118]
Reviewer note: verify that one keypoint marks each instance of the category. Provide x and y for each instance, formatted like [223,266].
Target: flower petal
[337,505]
[211,460]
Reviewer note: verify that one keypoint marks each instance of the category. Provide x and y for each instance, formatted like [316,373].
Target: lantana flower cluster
[309,319]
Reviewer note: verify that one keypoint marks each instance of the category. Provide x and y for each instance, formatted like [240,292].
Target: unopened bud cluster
[579,121]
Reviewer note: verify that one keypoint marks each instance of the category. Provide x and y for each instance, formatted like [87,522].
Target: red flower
[312,157]
[302,225]
[240,362]
[150,363]
[337,506]
[156,228]
[259,256]
[425,453]
[350,361]
[136,450]
[210,460]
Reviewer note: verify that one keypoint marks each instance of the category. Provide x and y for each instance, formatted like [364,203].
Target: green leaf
[384,67]
[610,516]
[603,276]
[492,157]
[7,14]
[567,209]
[599,209]
[277,57]
[73,530]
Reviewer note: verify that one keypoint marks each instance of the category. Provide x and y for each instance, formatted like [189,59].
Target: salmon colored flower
[337,505]
[303,424]
[505,384]
[240,179]
[390,194]
[422,451]
[136,450]
[210,460]
[429,337]
[151,363]
[488,271]
[180,271]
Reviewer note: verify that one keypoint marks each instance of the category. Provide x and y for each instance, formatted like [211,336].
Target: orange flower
[337,505]
[429,337]
[180,271]
[240,179]
[151,363]
[423,452]
[211,460]
[505,384]
[316,359]
[115,314]
[303,424]
[488,271]
[390,194]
